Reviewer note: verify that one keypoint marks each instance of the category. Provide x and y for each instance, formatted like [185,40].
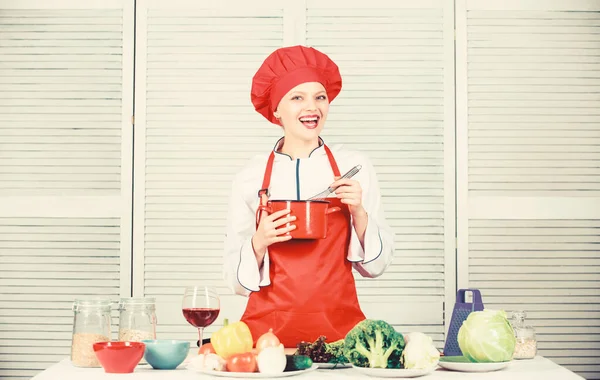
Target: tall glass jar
[526,346]
[137,319]
[91,324]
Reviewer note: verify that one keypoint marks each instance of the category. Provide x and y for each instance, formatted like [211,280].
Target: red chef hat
[286,68]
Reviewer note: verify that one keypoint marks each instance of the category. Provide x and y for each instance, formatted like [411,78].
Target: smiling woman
[303,288]
[303,112]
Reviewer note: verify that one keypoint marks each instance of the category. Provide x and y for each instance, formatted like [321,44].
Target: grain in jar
[137,319]
[91,324]
[526,342]
[82,349]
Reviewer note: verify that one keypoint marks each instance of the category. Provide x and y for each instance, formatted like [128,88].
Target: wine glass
[201,306]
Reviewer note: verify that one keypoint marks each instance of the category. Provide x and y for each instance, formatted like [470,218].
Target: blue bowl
[165,354]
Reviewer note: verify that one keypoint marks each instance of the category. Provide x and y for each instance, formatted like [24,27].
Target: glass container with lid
[137,319]
[91,324]
[526,345]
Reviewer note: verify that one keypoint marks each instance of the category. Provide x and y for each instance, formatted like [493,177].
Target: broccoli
[337,350]
[375,344]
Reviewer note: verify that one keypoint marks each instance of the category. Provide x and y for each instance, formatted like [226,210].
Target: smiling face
[303,111]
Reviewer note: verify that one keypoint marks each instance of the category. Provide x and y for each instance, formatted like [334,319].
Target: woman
[303,288]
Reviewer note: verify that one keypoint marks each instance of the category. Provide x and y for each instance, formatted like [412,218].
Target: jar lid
[137,301]
[519,314]
[92,303]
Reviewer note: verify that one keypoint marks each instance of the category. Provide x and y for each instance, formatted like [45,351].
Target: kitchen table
[539,368]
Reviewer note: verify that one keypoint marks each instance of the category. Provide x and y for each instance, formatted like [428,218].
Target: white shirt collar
[318,151]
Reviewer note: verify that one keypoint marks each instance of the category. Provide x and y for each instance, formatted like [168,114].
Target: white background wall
[482,122]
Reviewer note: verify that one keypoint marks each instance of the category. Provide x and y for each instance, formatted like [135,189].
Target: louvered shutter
[195,128]
[396,59]
[66,70]
[528,135]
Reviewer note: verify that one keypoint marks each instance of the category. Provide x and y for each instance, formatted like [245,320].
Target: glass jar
[137,319]
[91,324]
[526,346]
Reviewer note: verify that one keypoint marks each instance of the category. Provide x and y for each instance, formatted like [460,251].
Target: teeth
[309,119]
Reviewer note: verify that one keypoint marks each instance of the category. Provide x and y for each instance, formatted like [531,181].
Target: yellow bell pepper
[232,339]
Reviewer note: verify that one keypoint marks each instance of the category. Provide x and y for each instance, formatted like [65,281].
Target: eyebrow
[304,93]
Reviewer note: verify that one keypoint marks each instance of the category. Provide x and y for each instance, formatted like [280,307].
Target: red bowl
[119,357]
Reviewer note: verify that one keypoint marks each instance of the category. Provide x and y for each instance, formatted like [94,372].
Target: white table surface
[535,369]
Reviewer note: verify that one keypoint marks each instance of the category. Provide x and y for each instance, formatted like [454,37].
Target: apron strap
[265,188]
[267,178]
[334,167]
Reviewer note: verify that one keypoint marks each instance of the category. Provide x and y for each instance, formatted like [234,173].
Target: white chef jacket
[300,179]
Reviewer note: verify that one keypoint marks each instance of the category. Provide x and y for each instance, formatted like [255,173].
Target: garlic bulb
[209,362]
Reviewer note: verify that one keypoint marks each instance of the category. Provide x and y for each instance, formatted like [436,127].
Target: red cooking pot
[311,216]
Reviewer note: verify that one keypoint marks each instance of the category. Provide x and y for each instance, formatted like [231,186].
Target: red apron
[312,289]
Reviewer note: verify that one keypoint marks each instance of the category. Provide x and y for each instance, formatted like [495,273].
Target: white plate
[254,375]
[473,367]
[333,365]
[389,372]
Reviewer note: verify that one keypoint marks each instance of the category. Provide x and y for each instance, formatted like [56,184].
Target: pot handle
[332,210]
[259,211]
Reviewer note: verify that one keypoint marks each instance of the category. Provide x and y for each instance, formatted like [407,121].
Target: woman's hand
[270,231]
[350,193]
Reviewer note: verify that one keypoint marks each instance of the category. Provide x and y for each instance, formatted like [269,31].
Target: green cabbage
[487,337]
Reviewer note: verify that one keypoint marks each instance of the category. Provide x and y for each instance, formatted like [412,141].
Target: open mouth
[310,121]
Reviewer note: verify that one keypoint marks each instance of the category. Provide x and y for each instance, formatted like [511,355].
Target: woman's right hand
[270,231]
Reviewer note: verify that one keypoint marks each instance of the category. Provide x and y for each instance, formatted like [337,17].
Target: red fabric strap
[334,167]
[267,177]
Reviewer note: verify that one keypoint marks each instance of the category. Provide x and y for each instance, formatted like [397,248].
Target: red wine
[200,317]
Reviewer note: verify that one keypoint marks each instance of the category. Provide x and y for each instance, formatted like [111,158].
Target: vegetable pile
[231,349]
[374,344]
[370,343]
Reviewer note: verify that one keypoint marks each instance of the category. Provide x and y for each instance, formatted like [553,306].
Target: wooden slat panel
[42,60]
[531,100]
[45,264]
[549,268]
[64,102]
[559,51]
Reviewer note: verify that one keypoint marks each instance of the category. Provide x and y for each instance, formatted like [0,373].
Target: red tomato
[206,348]
[245,362]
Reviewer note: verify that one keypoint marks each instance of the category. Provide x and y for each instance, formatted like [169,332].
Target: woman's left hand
[350,193]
